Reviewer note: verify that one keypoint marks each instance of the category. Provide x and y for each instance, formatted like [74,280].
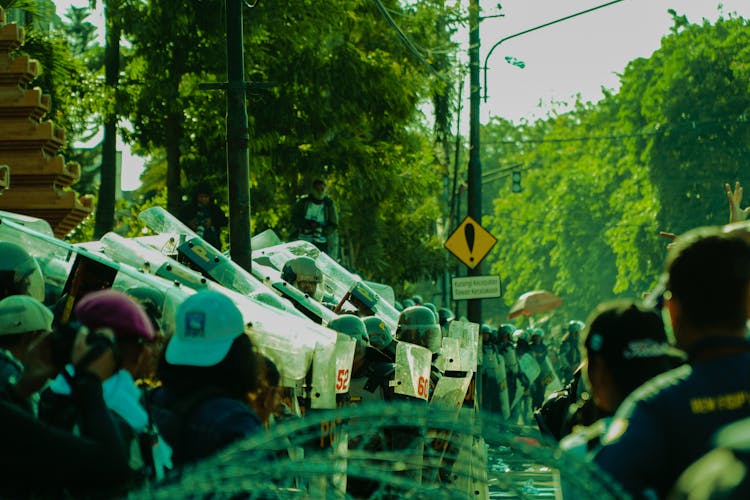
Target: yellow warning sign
[470,242]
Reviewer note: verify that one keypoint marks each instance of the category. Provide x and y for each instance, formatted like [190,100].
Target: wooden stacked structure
[40,179]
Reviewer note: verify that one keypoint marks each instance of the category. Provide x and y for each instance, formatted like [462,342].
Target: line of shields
[538,369]
[461,454]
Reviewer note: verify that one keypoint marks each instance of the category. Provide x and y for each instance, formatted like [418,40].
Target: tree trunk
[105,207]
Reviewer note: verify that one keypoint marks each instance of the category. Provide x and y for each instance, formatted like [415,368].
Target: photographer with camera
[25,352]
[90,463]
[112,310]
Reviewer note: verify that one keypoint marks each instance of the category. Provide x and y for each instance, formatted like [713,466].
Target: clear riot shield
[307,305]
[136,253]
[467,334]
[502,380]
[210,260]
[450,355]
[529,367]
[339,282]
[38,225]
[323,386]
[470,467]
[150,260]
[552,380]
[45,247]
[345,346]
[412,377]
[450,392]
[330,376]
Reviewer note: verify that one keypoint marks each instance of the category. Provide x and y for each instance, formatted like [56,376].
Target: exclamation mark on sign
[469,234]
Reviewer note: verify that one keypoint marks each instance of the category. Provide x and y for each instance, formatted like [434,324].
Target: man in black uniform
[667,423]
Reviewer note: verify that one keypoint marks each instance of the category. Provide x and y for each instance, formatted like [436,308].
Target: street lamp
[489,53]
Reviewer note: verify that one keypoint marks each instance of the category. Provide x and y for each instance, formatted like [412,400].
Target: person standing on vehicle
[316,219]
[204,216]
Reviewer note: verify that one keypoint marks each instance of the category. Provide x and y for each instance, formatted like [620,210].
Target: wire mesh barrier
[389,450]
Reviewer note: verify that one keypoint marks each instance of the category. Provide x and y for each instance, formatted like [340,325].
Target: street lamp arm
[497,44]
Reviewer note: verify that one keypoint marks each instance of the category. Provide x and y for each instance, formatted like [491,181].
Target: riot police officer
[303,273]
[19,272]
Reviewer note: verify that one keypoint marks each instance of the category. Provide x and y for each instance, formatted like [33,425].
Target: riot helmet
[303,273]
[350,325]
[152,301]
[417,325]
[444,315]
[575,327]
[521,336]
[380,336]
[408,303]
[536,335]
[354,327]
[19,272]
[433,308]
[505,332]
[485,332]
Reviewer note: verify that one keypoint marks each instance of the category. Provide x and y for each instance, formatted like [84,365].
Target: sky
[579,55]
[576,56]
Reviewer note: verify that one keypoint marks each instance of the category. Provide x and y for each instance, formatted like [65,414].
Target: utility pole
[238,158]
[474,306]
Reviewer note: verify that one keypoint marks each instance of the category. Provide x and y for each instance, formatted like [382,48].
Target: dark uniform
[667,423]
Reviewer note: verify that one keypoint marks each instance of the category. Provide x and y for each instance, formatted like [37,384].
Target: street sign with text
[476,287]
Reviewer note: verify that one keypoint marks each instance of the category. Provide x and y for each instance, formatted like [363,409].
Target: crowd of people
[655,392]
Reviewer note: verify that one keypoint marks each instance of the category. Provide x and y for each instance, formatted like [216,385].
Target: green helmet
[380,336]
[575,326]
[304,274]
[152,301]
[417,325]
[19,272]
[432,307]
[444,315]
[354,327]
[487,333]
[505,331]
[350,325]
[537,332]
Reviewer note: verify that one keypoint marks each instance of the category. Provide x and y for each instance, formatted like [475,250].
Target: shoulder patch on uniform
[616,429]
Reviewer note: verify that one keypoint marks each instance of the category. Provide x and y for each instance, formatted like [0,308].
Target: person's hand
[38,366]
[670,236]
[104,365]
[736,213]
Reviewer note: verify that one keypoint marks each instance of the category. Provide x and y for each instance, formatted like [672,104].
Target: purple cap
[113,309]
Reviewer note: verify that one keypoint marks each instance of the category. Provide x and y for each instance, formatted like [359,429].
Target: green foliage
[601,181]
[344,105]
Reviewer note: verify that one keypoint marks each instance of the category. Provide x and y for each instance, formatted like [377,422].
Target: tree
[601,181]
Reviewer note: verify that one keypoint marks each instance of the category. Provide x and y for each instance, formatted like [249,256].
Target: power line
[406,40]
[661,130]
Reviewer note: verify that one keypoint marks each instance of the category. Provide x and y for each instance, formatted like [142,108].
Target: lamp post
[474,175]
[497,44]
[238,158]
[474,306]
